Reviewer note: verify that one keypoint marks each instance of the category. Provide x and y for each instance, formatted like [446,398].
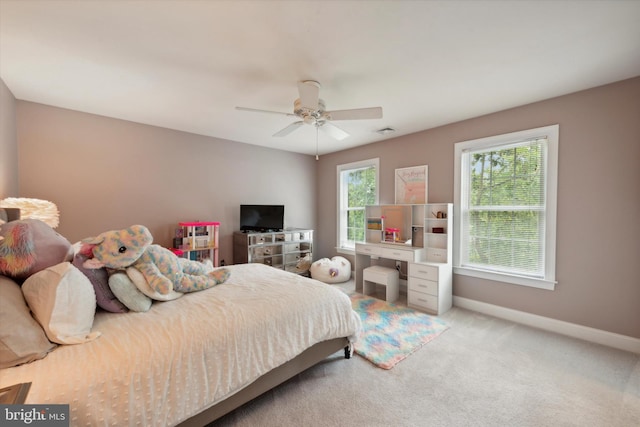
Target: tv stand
[263,230]
[290,249]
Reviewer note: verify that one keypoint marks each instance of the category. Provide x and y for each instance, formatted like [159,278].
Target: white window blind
[507,206]
[357,187]
[505,209]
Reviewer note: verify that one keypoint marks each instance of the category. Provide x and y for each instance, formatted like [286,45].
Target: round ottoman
[334,270]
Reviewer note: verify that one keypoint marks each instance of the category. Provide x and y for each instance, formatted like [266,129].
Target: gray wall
[598,240]
[8,144]
[106,174]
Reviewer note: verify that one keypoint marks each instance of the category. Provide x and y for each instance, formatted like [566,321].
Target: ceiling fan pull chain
[317,140]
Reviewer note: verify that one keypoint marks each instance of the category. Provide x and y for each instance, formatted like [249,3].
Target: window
[505,193]
[357,188]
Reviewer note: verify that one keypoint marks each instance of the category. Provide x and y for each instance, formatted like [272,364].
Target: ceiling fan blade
[286,131]
[334,131]
[309,94]
[355,114]
[255,110]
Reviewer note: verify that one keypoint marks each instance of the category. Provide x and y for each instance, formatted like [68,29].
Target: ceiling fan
[310,109]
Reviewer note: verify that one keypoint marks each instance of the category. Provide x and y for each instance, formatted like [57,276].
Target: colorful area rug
[392,332]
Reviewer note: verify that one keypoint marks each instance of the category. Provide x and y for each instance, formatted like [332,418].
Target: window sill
[506,278]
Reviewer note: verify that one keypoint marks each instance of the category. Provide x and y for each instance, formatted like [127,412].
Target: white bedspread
[161,367]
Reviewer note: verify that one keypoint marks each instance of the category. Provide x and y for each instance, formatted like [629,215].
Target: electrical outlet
[398,265]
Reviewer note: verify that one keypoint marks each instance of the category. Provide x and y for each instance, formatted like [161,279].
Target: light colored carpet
[482,372]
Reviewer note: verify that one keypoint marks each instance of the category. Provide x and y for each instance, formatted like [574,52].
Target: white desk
[429,284]
[365,252]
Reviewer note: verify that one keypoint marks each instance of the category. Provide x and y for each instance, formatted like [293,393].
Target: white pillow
[143,286]
[63,301]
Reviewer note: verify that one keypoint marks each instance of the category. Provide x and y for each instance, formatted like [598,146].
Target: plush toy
[303,264]
[334,270]
[163,270]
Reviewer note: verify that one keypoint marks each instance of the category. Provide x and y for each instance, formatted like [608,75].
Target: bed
[194,359]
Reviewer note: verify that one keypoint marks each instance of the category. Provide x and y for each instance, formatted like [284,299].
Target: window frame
[341,224]
[551,189]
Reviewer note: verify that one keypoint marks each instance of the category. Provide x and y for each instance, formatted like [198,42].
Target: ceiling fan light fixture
[386,131]
[300,109]
[310,109]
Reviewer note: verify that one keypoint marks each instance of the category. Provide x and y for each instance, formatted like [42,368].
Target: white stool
[388,277]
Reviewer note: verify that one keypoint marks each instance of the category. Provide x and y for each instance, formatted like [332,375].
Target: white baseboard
[610,339]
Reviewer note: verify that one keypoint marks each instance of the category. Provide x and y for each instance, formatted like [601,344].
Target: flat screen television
[261,217]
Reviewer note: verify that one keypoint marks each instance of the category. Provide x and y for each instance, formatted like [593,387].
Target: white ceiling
[186,64]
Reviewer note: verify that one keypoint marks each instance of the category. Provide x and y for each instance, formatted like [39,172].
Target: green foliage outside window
[361,185]
[506,208]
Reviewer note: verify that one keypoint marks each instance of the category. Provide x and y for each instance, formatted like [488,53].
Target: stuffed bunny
[162,269]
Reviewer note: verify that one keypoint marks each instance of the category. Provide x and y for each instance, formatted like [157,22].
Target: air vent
[385,131]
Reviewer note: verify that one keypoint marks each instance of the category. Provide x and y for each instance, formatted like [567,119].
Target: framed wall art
[412,185]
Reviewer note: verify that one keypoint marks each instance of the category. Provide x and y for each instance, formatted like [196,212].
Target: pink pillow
[30,246]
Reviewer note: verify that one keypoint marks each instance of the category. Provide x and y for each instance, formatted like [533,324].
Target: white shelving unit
[429,282]
[198,241]
[438,239]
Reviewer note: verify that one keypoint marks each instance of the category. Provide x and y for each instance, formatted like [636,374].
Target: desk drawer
[397,254]
[368,249]
[423,301]
[293,258]
[424,271]
[424,286]
[262,251]
[292,247]
[260,239]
